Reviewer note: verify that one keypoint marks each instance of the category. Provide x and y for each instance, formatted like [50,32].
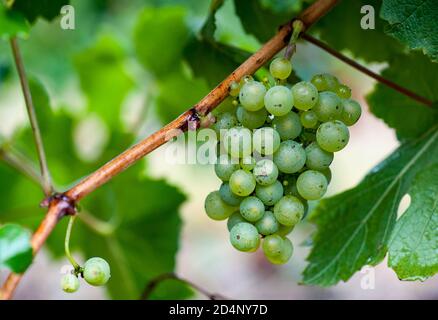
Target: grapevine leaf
[341,29]
[47,9]
[159,38]
[413,246]
[413,22]
[12,24]
[104,78]
[15,248]
[354,227]
[408,117]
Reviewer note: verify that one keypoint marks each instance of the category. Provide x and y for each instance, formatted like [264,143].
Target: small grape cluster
[96,272]
[296,131]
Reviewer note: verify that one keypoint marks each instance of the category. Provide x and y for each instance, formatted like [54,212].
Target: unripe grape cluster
[278,145]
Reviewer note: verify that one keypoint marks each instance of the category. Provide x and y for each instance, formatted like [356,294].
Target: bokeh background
[205,255]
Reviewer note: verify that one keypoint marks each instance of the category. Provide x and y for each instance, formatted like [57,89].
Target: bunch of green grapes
[284,140]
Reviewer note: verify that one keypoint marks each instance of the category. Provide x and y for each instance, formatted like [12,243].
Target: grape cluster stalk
[274,155]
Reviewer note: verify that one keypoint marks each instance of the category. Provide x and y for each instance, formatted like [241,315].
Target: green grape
[270,194]
[305,95]
[234,219]
[237,142]
[251,95]
[325,82]
[266,140]
[265,172]
[272,245]
[245,79]
[247,163]
[267,224]
[224,121]
[288,126]
[279,100]
[343,91]
[317,158]
[228,196]
[96,271]
[216,208]
[309,119]
[328,107]
[332,136]
[327,174]
[311,185]
[245,237]
[289,210]
[351,112]
[234,89]
[280,68]
[251,119]
[242,183]
[285,253]
[224,167]
[290,187]
[284,230]
[69,283]
[290,157]
[319,82]
[252,209]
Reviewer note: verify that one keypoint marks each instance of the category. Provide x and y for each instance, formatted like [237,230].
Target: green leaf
[12,24]
[104,78]
[47,9]
[413,22]
[15,248]
[354,227]
[159,38]
[341,29]
[414,242]
[409,118]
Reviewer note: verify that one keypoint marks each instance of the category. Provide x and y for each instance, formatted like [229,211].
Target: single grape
[332,136]
[290,187]
[284,230]
[325,82]
[225,166]
[266,140]
[247,163]
[343,91]
[309,119]
[288,126]
[237,142]
[270,194]
[252,95]
[279,100]
[216,208]
[280,68]
[69,283]
[245,79]
[289,210]
[96,271]
[224,121]
[319,82]
[228,196]
[265,172]
[328,107]
[251,119]
[285,254]
[267,224]
[252,209]
[290,157]
[317,158]
[311,185]
[242,183]
[305,95]
[351,112]
[245,237]
[234,89]
[234,219]
[327,174]
[272,245]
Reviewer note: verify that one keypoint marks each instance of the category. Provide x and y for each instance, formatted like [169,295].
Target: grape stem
[150,287]
[64,203]
[375,76]
[298,27]
[73,262]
